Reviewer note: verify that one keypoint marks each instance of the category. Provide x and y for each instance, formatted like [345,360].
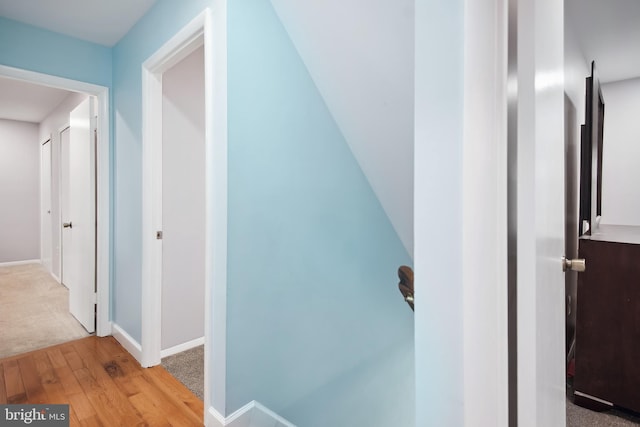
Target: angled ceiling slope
[98,21]
[360,56]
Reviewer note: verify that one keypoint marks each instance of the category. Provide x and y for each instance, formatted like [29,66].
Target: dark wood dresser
[607,352]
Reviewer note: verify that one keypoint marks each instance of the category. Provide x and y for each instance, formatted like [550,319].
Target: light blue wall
[34,49]
[317,330]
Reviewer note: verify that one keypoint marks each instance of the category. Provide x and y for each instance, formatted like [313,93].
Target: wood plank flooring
[102,383]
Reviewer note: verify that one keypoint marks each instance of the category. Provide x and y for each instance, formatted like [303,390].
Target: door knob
[578,265]
[67,225]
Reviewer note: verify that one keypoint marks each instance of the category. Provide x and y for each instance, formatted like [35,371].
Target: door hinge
[159,235]
[95,297]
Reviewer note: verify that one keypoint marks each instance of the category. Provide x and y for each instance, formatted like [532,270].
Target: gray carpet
[34,311]
[188,368]
[578,416]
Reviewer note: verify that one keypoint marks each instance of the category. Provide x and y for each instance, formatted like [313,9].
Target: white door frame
[208,28]
[468,231]
[103,213]
[460,253]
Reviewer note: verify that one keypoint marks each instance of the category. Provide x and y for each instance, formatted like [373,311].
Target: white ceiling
[609,33]
[99,21]
[27,102]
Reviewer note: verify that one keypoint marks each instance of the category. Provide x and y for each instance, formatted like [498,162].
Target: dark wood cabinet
[607,353]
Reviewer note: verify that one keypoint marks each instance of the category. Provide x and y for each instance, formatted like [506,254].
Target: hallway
[34,310]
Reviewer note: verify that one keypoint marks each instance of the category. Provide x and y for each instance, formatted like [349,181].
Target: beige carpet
[34,311]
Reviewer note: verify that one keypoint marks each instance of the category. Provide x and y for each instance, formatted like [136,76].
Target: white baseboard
[57,279]
[253,414]
[263,416]
[26,261]
[213,418]
[129,344]
[181,347]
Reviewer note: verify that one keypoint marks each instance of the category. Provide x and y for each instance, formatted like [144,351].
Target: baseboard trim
[181,347]
[129,344]
[260,412]
[253,414]
[26,261]
[214,418]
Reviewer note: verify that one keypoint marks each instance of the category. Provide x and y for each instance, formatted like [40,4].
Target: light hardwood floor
[102,383]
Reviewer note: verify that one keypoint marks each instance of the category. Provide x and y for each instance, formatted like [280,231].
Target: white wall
[621,153]
[183,203]
[19,191]
[576,70]
[59,116]
[50,127]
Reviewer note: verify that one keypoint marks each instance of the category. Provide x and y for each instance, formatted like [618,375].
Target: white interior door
[46,242]
[80,223]
[540,289]
[64,206]
[56,223]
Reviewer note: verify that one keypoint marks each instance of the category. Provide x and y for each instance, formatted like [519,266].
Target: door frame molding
[103,194]
[460,248]
[208,29]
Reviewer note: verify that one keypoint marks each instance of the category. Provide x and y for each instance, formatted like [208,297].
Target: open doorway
[183,221]
[604,34]
[74,93]
[207,30]
[34,305]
